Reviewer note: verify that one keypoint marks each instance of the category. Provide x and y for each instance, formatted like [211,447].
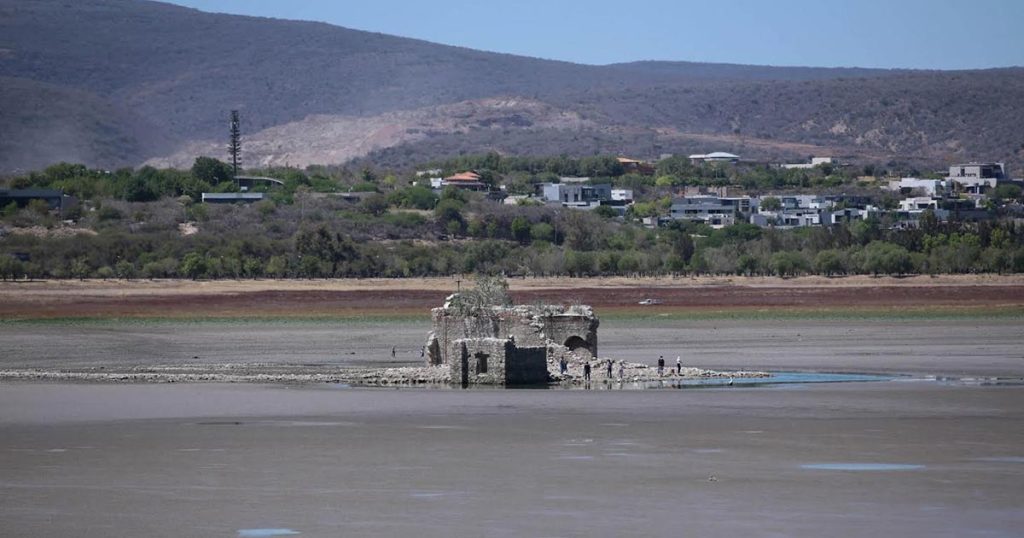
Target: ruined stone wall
[525,365]
[495,361]
[528,326]
[578,333]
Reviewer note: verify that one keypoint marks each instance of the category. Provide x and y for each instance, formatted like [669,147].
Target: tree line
[146,223]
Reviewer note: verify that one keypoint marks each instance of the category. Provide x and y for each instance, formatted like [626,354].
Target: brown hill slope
[127,80]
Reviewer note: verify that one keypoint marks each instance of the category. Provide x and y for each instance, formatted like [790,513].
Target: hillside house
[714,211]
[919,203]
[465,180]
[928,187]
[815,161]
[787,218]
[977,178]
[55,199]
[575,195]
[714,157]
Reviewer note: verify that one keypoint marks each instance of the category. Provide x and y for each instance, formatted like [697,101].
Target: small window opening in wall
[481,363]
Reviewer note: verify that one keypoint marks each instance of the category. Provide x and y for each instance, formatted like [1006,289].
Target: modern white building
[622,195]
[575,195]
[976,178]
[815,161]
[793,218]
[711,210]
[931,187]
[919,203]
[717,156]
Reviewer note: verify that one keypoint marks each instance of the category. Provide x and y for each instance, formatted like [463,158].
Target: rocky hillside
[117,82]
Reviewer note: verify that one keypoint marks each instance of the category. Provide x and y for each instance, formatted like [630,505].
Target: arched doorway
[579,345]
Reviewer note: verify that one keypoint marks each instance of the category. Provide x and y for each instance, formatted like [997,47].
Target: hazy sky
[927,34]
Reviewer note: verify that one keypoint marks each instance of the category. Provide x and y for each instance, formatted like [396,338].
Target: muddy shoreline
[414,297]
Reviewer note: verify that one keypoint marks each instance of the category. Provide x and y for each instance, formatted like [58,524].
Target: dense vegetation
[147,223]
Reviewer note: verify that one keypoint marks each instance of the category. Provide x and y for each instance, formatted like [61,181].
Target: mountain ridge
[139,80]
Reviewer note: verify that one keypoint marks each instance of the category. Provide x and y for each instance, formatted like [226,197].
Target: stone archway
[579,346]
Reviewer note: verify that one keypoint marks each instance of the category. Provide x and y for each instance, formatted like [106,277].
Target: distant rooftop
[464,176]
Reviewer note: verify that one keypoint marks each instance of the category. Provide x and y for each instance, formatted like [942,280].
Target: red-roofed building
[633,166]
[465,180]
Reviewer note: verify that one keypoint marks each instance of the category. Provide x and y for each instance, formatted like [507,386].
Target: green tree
[277,267]
[11,268]
[80,268]
[1007,191]
[787,263]
[193,265]
[747,265]
[211,170]
[414,197]
[9,210]
[521,229]
[771,203]
[829,262]
[374,204]
[39,207]
[332,249]
[106,272]
[448,211]
[882,257]
[542,231]
[124,269]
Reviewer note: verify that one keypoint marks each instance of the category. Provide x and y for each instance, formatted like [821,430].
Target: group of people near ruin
[563,367]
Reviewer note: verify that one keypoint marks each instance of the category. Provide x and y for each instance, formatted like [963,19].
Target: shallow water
[859,459]
[776,378]
[861,467]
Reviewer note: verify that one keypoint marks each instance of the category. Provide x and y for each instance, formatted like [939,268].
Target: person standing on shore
[679,365]
[622,370]
[563,365]
[609,368]
[661,365]
[586,371]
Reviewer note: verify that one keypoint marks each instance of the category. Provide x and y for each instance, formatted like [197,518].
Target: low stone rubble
[404,376]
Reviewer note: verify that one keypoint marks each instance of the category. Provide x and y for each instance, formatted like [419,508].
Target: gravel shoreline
[369,377]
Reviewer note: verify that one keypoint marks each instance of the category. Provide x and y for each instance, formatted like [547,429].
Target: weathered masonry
[496,361]
[520,329]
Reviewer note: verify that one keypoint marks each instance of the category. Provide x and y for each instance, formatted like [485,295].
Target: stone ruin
[508,344]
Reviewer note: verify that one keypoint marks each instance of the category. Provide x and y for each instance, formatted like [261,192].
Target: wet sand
[951,347]
[169,460]
[212,460]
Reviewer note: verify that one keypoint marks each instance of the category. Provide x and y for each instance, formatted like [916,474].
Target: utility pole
[235,144]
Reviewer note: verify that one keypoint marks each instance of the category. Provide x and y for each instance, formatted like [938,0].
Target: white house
[815,161]
[977,178]
[919,203]
[931,187]
[717,156]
